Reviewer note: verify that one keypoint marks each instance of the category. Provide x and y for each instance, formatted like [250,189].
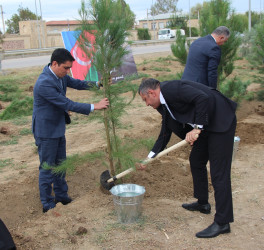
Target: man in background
[204,57]
[50,113]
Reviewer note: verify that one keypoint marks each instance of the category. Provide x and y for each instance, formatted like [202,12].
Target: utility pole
[249,15]
[190,32]
[2,13]
[42,26]
[154,28]
[39,39]
[260,17]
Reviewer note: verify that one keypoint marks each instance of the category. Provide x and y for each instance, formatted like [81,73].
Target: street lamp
[190,32]
[39,40]
[42,25]
[154,28]
[2,13]
[249,15]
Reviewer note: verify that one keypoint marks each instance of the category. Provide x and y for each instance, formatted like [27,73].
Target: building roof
[161,16]
[63,23]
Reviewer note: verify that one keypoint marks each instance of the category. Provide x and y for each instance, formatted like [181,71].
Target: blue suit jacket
[202,61]
[50,104]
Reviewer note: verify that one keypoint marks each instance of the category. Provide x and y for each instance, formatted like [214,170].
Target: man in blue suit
[204,57]
[50,113]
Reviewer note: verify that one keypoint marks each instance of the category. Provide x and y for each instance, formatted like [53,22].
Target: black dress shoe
[65,201]
[45,210]
[195,206]
[214,230]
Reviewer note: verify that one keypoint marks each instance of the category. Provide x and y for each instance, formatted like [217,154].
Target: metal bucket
[235,147]
[128,201]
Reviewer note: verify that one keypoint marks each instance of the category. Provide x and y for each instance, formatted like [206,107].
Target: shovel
[107,181]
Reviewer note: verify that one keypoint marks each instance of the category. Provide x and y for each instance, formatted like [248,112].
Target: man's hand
[192,136]
[140,166]
[103,104]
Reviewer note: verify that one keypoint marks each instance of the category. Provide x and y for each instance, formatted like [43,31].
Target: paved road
[43,60]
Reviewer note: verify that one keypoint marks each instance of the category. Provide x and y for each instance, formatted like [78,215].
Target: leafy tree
[143,34]
[195,10]
[109,29]
[218,13]
[177,22]
[164,6]
[256,51]
[24,14]
[128,13]
[255,18]
[242,22]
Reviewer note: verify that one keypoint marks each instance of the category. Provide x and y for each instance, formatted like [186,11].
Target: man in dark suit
[207,120]
[50,113]
[204,57]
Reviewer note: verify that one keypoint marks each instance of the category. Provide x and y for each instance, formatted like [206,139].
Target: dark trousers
[218,149]
[51,151]
[6,240]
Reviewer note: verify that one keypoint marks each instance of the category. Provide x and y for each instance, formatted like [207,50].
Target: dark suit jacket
[50,104]
[202,61]
[194,103]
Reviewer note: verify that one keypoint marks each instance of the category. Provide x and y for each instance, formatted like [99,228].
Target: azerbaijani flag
[81,67]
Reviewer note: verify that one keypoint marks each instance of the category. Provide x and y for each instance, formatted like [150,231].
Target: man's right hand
[103,104]
[140,166]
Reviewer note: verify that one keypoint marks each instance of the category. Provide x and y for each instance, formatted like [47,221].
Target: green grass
[18,108]
[166,59]
[12,141]
[6,162]
[23,120]
[25,131]
[160,69]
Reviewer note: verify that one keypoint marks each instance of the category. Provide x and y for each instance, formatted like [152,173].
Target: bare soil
[90,221]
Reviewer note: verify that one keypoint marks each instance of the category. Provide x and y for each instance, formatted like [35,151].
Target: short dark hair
[148,83]
[222,30]
[61,55]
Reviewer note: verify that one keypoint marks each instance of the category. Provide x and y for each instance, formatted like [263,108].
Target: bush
[235,89]
[260,95]
[194,32]
[256,57]
[179,49]
[143,34]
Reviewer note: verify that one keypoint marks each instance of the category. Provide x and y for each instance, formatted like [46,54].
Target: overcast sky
[68,9]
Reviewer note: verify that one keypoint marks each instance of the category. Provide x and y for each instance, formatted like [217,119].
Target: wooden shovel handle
[166,151]
[126,172]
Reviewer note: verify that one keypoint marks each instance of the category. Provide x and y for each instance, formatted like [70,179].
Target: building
[161,21]
[35,34]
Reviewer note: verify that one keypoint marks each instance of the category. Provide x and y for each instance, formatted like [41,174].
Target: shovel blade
[105,176]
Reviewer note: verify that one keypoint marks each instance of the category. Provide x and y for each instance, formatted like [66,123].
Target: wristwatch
[197,127]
